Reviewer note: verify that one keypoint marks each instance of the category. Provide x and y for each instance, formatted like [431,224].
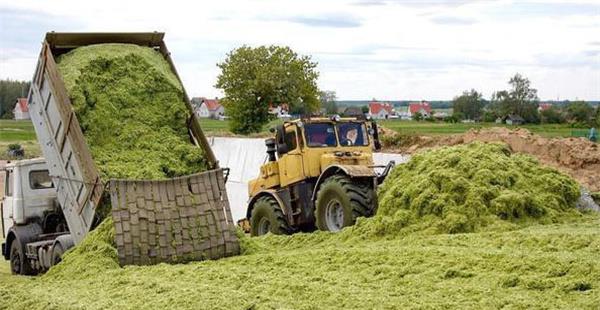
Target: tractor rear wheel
[340,201]
[267,217]
[57,253]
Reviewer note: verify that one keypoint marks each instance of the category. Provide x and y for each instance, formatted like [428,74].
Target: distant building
[513,119]
[281,111]
[208,108]
[380,110]
[21,110]
[544,106]
[422,107]
[353,112]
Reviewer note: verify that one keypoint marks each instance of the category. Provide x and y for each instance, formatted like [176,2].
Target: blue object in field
[593,136]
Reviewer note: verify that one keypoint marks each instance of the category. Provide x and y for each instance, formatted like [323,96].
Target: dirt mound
[576,157]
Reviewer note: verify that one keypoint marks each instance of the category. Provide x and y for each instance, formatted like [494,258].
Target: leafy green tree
[520,100]
[418,116]
[255,78]
[552,116]
[328,101]
[580,111]
[469,105]
[598,116]
[365,109]
[10,90]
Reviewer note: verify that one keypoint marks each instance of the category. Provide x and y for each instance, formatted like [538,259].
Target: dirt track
[576,157]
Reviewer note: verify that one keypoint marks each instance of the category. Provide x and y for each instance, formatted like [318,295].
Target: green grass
[540,267]
[16,131]
[429,128]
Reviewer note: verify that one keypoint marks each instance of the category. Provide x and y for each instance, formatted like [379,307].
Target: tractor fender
[24,233]
[282,197]
[353,171]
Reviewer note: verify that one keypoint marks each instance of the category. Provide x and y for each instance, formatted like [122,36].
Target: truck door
[290,164]
[7,202]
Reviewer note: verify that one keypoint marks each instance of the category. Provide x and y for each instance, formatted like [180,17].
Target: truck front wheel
[340,201]
[268,217]
[18,260]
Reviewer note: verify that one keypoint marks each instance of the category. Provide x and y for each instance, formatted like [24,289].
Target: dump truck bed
[79,187]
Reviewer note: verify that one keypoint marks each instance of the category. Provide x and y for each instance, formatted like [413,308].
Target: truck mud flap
[175,220]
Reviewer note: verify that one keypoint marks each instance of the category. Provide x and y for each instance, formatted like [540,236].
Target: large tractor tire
[267,217]
[18,260]
[340,201]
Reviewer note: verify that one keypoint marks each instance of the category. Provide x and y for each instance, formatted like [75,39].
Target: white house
[380,110]
[422,108]
[21,110]
[210,108]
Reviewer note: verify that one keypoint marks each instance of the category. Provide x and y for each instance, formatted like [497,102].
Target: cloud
[552,9]
[369,3]
[452,20]
[330,20]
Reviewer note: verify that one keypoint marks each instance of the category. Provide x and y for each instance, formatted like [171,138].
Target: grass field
[429,128]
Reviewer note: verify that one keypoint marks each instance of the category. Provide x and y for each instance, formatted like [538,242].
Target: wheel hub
[264,226]
[334,215]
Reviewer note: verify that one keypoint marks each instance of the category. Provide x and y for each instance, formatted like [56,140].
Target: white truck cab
[32,220]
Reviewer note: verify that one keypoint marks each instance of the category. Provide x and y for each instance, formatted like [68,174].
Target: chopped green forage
[131,109]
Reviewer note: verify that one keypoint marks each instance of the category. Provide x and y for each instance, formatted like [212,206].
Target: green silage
[472,187]
[131,109]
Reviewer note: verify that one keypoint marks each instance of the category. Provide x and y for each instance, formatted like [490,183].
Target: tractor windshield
[320,135]
[352,134]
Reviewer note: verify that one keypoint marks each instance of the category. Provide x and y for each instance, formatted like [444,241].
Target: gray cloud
[331,20]
[453,20]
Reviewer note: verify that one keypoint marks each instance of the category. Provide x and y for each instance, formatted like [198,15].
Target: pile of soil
[577,157]
[470,187]
[131,109]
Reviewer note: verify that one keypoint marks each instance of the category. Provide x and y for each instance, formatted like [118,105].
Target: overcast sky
[403,49]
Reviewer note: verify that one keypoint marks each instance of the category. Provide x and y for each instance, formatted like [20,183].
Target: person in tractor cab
[351,134]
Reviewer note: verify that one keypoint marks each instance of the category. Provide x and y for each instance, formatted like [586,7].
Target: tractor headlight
[336,118]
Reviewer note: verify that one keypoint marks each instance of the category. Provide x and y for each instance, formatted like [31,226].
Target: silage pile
[131,109]
[469,187]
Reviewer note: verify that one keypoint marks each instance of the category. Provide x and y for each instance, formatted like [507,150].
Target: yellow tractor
[320,172]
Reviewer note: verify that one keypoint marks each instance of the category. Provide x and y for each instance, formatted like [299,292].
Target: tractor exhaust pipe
[270,143]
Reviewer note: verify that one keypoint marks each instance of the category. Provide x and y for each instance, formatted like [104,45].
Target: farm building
[513,119]
[21,111]
[422,107]
[208,108]
[544,106]
[380,110]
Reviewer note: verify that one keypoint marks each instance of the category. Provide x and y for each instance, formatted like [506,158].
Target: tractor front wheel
[340,201]
[267,217]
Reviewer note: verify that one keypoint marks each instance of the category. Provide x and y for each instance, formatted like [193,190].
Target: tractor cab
[304,155]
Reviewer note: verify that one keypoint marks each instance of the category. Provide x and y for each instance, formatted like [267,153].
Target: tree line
[521,100]
[10,90]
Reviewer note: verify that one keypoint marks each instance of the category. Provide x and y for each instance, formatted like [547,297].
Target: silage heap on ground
[131,109]
[470,187]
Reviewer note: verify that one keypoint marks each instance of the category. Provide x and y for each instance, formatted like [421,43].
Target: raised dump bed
[178,219]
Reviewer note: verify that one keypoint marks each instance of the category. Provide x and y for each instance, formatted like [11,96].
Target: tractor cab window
[290,140]
[40,179]
[353,134]
[320,135]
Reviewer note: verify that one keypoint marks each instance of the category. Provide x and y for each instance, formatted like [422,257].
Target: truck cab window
[8,189]
[40,179]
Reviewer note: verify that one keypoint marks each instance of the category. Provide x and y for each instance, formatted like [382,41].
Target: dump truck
[320,172]
[53,203]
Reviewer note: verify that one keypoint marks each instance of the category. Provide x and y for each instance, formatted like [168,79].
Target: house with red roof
[380,110]
[544,106]
[21,110]
[208,108]
[422,107]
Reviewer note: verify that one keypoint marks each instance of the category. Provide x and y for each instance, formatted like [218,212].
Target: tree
[520,100]
[468,105]
[328,100]
[255,78]
[598,116]
[418,116]
[580,111]
[364,109]
[551,116]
